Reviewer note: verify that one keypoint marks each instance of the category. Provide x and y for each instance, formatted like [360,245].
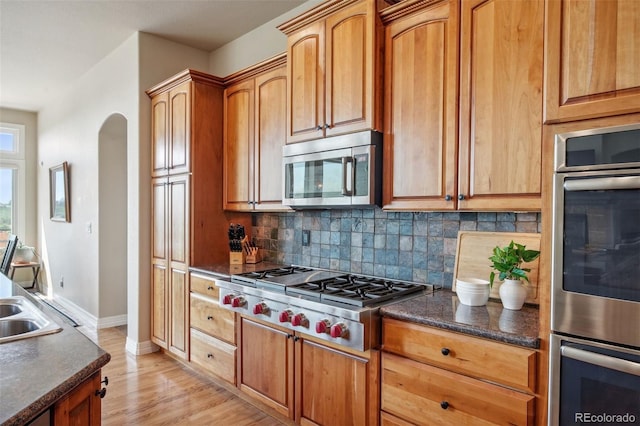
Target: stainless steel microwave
[340,171]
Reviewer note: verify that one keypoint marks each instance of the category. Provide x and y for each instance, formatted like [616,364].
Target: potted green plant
[507,261]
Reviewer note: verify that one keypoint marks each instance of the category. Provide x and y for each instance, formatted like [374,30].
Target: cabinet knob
[461,197]
[444,405]
[101,393]
[209,317]
[318,127]
[448,197]
[105,381]
[210,356]
[326,126]
[210,288]
[445,351]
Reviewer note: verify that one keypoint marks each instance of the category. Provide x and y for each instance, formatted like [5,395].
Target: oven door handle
[605,361]
[604,183]
[347,176]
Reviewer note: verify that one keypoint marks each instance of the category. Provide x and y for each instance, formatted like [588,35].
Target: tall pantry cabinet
[187,218]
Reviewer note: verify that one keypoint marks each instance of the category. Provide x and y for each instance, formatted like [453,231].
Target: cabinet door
[421,129]
[238,146]
[331,386]
[159,312]
[270,135]
[81,406]
[178,194]
[305,71]
[593,57]
[266,366]
[159,134]
[350,55]
[501,104]
[180,128]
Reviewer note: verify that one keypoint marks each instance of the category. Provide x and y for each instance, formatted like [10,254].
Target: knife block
[237,257]
[254,256]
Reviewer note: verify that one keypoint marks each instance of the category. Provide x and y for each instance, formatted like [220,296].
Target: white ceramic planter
[513,294]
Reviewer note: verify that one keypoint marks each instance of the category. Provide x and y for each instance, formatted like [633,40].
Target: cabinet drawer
[204,285]
[214,355]
[208,317]
[424,394]
[498,362]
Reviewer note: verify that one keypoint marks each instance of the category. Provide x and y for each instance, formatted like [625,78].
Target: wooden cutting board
[475,248]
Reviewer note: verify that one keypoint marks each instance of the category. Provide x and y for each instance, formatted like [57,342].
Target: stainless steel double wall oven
[595,300]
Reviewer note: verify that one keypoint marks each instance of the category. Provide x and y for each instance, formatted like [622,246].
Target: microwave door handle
[605,183]
[622,365]
[347,176]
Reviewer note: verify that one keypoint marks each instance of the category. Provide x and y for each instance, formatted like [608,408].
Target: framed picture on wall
[59,193]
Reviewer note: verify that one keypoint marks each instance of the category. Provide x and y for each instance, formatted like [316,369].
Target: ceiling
[45,45]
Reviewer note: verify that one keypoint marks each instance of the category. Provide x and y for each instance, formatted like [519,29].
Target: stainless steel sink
[20,319]
[7,310]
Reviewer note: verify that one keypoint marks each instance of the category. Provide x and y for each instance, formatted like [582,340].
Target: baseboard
[81,316]
[113,321]
[140,348]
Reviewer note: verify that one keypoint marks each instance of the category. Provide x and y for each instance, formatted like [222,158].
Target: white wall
[68,130]
[262,43]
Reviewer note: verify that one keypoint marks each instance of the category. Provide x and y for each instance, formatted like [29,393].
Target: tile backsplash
[413,246]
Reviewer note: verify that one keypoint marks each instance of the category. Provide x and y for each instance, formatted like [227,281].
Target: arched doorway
[112,221]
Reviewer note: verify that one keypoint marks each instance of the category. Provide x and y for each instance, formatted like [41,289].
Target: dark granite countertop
[36,372]
[443,310]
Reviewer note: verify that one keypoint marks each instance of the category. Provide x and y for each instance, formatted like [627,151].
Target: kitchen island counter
[36,372]
[443,310]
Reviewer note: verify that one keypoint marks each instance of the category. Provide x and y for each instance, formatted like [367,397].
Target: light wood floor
[154,389]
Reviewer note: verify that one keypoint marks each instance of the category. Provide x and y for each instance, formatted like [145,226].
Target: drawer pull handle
[210,288]
[209,317]
[210,356]
[445,351]
[444,405]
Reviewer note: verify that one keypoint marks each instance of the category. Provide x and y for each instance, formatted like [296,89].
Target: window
[12,181]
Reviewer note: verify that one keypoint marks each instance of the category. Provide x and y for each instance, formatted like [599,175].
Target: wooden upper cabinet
[254,134]
[501,77]
[421,91]
[305,117]
[334,70]
[238,145]
[593,57]
[479,148]
[270,136]
[159,134]
[171,117]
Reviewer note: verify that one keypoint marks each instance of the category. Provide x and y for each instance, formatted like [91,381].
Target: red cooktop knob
[298,320]
[338,330]
[260,308]
[285,316]
[323,326]
[226,300]
[238,301]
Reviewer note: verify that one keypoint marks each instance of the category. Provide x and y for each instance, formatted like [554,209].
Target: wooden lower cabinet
[431,376]
[424,394]
[213,355]
[306,380]
[81,406]
[212,330]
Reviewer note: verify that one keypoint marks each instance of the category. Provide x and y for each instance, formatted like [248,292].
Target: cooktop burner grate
[354,290]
